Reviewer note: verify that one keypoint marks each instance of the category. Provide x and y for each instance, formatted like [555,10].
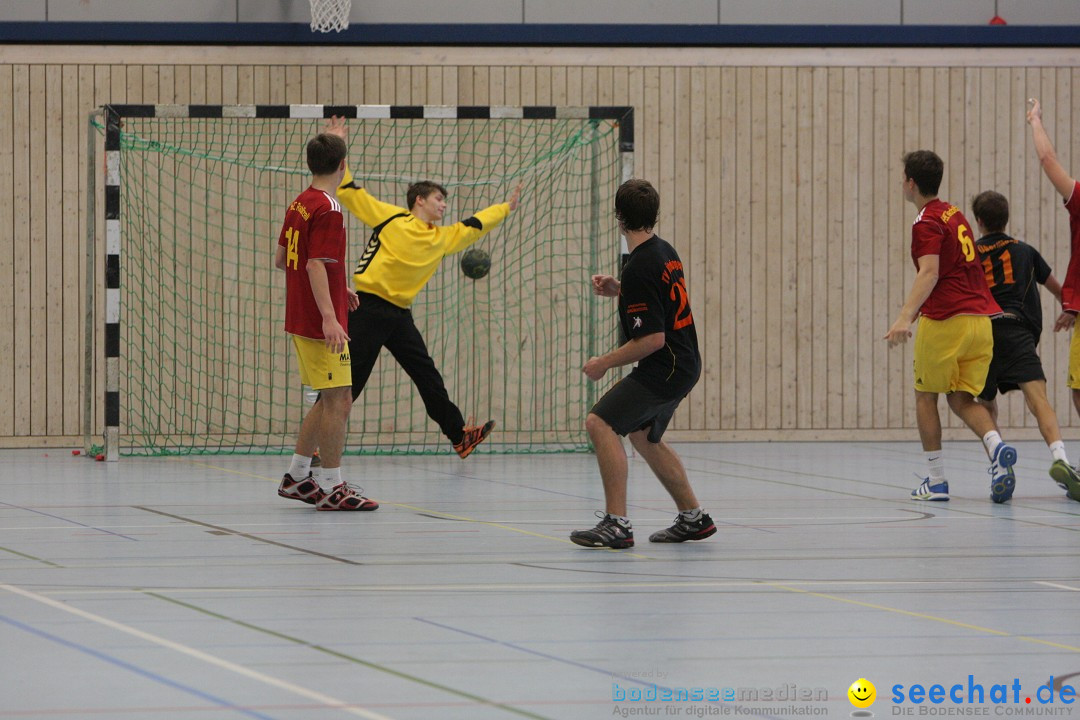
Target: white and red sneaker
[344,497]
[304,490]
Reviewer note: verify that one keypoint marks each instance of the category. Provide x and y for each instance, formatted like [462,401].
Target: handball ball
[475,263]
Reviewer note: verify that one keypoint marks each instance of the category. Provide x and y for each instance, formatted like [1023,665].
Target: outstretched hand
[1035,111]
[515,197]
[335,125]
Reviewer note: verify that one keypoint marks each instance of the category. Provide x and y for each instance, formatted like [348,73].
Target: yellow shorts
[1074,360]
[321,368]
[953,354]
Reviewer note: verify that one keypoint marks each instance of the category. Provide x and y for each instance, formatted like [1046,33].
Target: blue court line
[73,522]
[135,669]
[556,658]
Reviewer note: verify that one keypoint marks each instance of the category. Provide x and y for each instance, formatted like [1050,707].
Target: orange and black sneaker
[345,497]
[305,489]
[474,435]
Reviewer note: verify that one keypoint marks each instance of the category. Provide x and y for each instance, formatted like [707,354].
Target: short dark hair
[926,169]
[992,209]
[325,153]
[637,204]
[421,190]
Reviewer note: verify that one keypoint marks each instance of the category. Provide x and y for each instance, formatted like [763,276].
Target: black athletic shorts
[1015,359]
[630,406]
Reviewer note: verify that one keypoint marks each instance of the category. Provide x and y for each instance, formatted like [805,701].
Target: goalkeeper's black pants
[376,324]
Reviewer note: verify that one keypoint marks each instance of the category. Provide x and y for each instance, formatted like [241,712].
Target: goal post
[195,356]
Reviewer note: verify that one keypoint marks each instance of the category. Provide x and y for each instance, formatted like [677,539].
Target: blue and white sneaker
[926,491]
[1002,476]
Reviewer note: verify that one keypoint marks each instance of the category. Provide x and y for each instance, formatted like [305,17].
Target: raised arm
[358,200]
[1063,183]
[465,233]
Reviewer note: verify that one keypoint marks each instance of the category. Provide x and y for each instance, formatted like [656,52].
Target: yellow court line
[924,616]
[439,513]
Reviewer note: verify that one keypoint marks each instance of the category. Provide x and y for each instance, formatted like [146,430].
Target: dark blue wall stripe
[535,34]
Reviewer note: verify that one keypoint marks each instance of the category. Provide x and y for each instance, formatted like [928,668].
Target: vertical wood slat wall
[780,187]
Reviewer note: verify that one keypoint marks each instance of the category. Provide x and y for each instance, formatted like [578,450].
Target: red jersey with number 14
[313,229]
[940,229]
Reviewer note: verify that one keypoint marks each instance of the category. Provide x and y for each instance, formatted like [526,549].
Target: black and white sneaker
[608,533]
[684,530]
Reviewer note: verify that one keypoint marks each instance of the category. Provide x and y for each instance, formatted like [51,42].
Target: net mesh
[330,15]
[205,364]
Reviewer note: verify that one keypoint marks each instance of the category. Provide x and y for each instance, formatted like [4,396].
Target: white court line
[1055,585]
[200,655]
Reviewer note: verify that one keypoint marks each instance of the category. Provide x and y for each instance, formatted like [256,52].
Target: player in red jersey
[311,251]
[1069,189]
[955,343]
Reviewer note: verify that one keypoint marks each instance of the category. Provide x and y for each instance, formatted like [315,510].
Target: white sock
[329,478]
[991,441]
[1057,451]
[300,467]
[692,515]
[624,521]
[936,461]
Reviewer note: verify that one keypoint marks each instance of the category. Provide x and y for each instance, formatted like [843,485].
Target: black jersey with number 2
[653,299]
[1014,271]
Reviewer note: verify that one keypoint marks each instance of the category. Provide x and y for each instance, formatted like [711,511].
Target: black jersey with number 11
[652,299]
[1014,271]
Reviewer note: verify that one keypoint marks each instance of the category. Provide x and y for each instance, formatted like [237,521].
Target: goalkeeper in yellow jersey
[403,252]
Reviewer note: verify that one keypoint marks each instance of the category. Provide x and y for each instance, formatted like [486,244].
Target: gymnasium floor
[184,588]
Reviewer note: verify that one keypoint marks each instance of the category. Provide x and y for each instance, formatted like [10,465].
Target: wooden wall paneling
[786,324]
[919,119]
[716,362]
[182,85]
[21,235]
[230,85]
[214,84]
[9,258]
[698,201]
[678,218]
[450,86]
[134,83]
[481,86]
[37,260]
[559,94]
[150,79]
[529,85]
[815,309]
[433,92]
[166,84]
[605,86]
[322,84]
[838,185]
[198,81]
[418,84]
[800,233]
[403,86]
[53,278]
[758,275]
[850,224]
[889,239]
[464,95]
[574,86]
[744,168]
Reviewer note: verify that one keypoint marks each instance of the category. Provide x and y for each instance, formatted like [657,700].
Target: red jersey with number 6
[941,229]
[1070,289]
[313,230]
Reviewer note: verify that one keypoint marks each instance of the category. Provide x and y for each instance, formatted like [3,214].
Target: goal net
[194,208]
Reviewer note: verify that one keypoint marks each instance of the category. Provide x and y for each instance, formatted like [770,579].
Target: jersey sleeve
[1042,269]
[282,240]
[926,238]
[644,305]
[1073,203]
[361,204]
[463,234]
[322,235]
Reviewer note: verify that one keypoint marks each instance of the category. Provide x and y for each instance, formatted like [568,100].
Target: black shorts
[1015,359]
[630,406]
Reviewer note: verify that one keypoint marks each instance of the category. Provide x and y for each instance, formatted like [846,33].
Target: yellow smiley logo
[862,693]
